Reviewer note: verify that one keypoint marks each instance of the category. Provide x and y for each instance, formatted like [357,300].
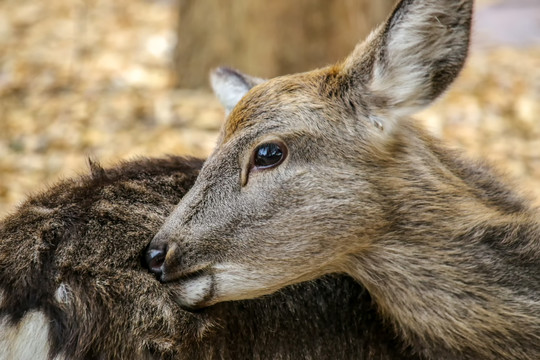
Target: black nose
[155,257]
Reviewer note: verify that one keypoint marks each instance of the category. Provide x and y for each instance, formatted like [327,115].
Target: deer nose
[155,258]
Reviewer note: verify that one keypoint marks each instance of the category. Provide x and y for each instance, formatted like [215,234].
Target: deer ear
[412,58]
[230,86]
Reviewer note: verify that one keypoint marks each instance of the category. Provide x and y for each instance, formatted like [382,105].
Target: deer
[326,172]
[74,285]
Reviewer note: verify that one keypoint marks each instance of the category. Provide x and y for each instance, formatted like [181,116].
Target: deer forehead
[288,102]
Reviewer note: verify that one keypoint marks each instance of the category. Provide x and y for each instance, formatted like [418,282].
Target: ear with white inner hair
[410,60]
[230,86]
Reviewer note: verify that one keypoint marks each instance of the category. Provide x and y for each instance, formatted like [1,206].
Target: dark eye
[268,155]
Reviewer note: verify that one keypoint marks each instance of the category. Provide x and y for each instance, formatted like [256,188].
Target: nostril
[155,259]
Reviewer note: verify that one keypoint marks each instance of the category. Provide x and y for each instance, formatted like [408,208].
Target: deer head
[289,193]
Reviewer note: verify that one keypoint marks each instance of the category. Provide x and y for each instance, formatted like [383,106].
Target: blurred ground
[91,78]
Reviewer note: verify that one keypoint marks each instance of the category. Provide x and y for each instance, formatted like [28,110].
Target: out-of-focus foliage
[92,78]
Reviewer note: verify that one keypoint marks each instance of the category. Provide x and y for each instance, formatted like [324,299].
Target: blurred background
[112,80]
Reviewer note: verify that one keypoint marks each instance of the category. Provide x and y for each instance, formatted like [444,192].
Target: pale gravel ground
[83,79]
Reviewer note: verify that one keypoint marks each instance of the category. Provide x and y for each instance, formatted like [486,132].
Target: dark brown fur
[88,234]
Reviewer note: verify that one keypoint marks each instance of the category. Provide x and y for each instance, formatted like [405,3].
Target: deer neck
[456,265]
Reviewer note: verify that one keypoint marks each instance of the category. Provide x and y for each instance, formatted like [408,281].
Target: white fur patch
[42,210]
[27,340]
[63,294]
[194,291]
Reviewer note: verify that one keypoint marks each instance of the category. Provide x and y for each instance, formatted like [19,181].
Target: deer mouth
[186,275]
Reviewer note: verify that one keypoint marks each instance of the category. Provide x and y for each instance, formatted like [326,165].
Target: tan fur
[450,255]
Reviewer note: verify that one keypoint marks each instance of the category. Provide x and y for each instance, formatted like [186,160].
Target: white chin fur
[196,292]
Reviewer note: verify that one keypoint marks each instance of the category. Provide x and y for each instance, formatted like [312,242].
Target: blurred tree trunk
[269,38]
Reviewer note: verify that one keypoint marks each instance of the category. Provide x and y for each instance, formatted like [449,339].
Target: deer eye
[268,155]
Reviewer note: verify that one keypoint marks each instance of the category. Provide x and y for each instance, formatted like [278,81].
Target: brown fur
[450,254]
[73,254]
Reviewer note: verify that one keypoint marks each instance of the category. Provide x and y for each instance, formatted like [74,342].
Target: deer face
[287,194]
[265,187]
